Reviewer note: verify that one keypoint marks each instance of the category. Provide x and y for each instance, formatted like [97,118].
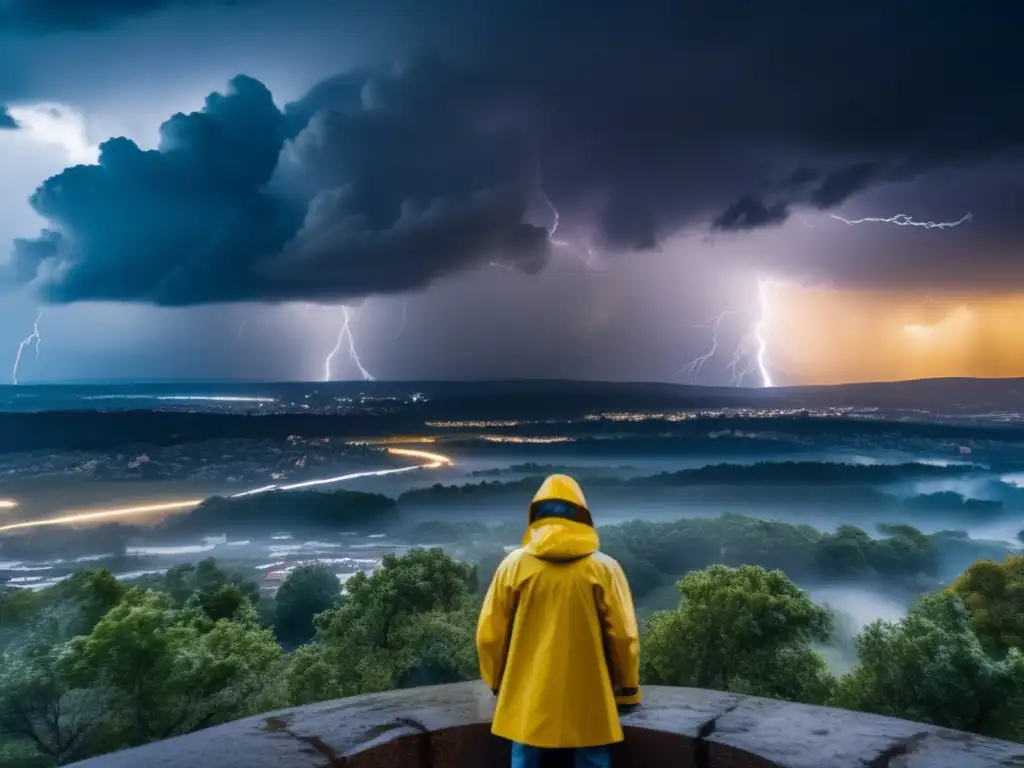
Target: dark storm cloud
[750,213]
[635,119]
[60,15]
[6,121]
[367,200]
[814,189]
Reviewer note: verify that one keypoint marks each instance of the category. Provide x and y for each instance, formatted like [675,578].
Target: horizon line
[165,382]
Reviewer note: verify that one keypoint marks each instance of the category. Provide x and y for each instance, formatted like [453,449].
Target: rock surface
[448,726]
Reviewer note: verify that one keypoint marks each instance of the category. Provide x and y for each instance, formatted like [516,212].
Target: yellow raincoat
[558,636]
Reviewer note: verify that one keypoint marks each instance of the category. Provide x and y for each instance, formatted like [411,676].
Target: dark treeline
[534,469]
[763,481]
[338,510]
[802,473]
[762,473]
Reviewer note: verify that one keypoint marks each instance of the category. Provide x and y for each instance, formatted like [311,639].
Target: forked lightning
[32,338]
[345,333]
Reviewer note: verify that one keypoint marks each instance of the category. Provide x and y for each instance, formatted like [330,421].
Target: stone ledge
[448,726]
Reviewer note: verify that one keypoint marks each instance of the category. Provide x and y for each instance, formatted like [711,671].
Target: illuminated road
[431,461]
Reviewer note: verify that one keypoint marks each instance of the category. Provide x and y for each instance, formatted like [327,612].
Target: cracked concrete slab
[790,735]
[682,711]
[942,748]
[449,727]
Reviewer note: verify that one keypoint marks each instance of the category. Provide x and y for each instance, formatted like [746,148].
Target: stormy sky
[195,189]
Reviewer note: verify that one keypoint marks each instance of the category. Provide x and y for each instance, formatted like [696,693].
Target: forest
[93,664]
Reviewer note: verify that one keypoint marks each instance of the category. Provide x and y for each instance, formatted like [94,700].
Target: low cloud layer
[6,121]
[635,121]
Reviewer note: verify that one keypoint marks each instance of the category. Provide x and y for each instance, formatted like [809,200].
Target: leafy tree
[17,609]
[171,671]
[22,754]
[411,614]
[307,591]
[70,607]
[931,667]
[906,551]
[41,710]
[844,553]
[228,601]
[739,629]
[994,594]
[206,578]
[441,647]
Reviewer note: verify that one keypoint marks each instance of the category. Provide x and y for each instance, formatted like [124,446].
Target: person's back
[557,636]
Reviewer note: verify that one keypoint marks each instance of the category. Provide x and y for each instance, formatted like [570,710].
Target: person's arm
[622,635]
[493,628]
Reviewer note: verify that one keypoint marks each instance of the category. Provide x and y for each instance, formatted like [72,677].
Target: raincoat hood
[557,538]
[562,488]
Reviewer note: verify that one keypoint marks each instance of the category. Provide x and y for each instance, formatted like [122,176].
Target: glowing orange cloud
[828,336]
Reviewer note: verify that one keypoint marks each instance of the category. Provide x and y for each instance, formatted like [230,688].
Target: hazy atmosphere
[664,352]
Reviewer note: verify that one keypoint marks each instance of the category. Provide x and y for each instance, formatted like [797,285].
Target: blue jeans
[585,757]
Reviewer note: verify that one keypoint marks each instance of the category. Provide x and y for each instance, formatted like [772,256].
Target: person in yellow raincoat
[557,636]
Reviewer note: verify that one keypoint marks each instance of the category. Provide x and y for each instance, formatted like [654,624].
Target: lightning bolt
[584,252]
[759,337]
[345,333]
[750,355]
[32,338]
[692,369]
[903,220]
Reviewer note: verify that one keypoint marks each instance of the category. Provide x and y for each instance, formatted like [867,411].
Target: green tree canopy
[170,671]
[307,591]
[994,594]
[206,578]
[43,713]
[68,608]
[931,667]
[412,614]
[739,629]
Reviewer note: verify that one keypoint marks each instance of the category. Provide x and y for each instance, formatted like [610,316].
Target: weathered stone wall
[448,726]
